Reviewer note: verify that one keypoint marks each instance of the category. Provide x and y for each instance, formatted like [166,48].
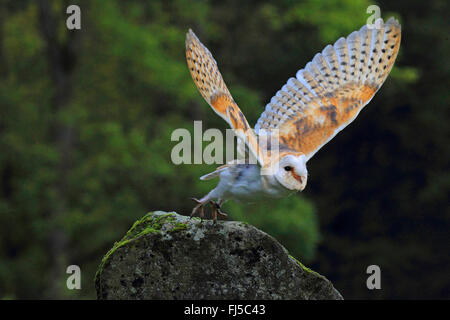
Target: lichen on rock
[169,256]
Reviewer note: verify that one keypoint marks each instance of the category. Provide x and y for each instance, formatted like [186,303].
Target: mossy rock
[169,256]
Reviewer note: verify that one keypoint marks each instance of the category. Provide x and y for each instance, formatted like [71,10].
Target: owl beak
[297,177]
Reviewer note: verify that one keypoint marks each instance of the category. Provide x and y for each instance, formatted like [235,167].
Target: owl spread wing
[331,90]
[209,82]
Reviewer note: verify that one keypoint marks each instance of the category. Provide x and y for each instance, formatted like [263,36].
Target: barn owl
[307,112]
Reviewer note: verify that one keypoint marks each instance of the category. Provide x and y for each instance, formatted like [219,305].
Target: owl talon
[198,207]
[216,211]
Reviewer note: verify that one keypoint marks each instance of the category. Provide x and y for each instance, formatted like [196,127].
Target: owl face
[291,172]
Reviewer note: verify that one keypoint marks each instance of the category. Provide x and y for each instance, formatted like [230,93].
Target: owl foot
[198,207]
[216,211]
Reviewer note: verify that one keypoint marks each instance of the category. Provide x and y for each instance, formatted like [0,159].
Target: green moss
[150,223]
[305,267]
[178,227]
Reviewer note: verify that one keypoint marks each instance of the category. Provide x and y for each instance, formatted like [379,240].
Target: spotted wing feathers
[209,82]
[331,90]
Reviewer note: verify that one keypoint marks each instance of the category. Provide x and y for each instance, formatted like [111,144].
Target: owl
[307,112]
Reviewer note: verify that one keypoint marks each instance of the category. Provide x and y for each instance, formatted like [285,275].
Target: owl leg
[201,204]
[198,207]
[216,209]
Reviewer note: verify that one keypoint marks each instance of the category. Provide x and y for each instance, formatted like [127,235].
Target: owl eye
[288,168]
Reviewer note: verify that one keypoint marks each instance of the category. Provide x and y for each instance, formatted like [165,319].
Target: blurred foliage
[292,221]
[85,138]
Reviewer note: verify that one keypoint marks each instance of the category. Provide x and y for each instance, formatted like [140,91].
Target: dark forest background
[86,118]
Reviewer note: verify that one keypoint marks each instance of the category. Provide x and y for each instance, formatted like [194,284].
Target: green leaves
[333,18]
[291,220]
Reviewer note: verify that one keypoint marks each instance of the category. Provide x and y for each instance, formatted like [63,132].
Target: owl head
[291,172]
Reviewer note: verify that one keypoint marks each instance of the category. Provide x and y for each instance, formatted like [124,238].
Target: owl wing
[209,81]
[331,90]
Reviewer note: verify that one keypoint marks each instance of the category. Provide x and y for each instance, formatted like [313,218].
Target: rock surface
[169,256]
